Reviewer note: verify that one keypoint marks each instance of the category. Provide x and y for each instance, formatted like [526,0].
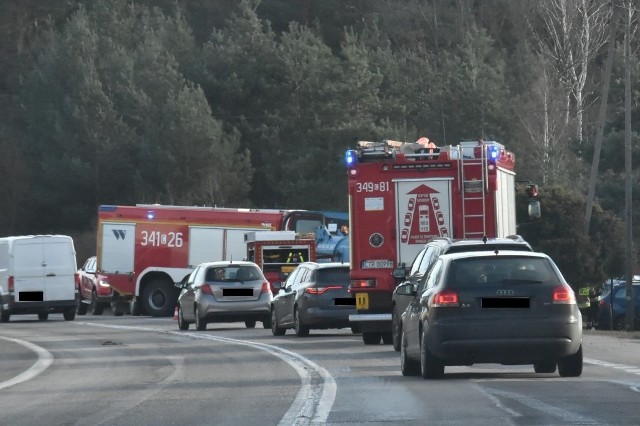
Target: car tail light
[206,289]
[446,298]
[563,295]
[320,290]
[76,279]
[603,302]
[358,284]
[266,287]
[10,284]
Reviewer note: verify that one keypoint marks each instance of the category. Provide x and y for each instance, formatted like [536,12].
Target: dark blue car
[613,307]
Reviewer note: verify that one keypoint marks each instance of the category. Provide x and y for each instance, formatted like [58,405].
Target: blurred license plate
[505,302]
[237,292]
[362,301]
[344,301]
[377,264]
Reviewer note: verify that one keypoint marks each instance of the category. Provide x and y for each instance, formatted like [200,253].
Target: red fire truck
[279,252]
[401,195]
[144,250]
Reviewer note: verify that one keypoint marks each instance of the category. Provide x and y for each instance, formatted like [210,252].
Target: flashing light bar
[493,152]
[350,157]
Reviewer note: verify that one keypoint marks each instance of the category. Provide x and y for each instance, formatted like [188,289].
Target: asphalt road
[141,371]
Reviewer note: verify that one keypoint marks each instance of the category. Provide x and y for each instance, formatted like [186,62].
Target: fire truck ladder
[472,175]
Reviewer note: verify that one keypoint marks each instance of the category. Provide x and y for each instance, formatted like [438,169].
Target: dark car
[315,296]
[94,291]
[225,291]
[506,307]
[428,255]
[613,307]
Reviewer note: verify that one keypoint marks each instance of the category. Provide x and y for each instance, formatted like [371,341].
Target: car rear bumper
[55,306]
[504,343]
[326,318]
[235,311]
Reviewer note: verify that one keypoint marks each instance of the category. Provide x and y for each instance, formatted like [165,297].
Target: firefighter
[594,308]
[295,257]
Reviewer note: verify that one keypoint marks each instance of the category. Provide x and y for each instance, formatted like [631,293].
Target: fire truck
[401,195]
[144,250]
[278,253]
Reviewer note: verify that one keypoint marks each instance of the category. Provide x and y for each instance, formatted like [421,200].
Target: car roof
[492,253]
[325,265]
[226,263]
[511,240]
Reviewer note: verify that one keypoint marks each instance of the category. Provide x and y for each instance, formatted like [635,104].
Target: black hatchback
[506,307]
[315,296]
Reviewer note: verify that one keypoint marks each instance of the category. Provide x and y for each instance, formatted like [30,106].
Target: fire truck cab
[402,195]
[278,253]
[144,250]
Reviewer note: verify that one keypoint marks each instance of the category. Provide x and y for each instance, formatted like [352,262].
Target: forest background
[240,103]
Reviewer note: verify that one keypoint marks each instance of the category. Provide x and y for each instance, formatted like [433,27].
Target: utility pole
[628,172]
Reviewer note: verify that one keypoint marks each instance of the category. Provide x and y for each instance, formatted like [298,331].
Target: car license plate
[287,269]
[377,264]
[237,292]
[362,301]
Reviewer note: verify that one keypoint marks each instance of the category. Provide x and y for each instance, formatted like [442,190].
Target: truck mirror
[534,209]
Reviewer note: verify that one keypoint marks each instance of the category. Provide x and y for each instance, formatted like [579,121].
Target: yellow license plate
[287,269]
[362,301]
[584,291]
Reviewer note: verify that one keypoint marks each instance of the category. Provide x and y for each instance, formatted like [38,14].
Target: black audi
[505,307]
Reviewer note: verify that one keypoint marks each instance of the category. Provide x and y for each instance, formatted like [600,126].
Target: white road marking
[43,362]
[315,398]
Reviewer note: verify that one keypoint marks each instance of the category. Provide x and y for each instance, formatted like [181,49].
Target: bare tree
[571,33]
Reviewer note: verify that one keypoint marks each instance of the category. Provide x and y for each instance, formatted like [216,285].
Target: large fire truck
[144,250]
[401,195]
[278,253]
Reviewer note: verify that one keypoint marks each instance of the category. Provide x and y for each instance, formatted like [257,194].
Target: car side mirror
[400,273]
[406,289]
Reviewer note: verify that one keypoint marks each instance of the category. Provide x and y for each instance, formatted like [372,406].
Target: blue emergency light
[151,215]
[493,152]
[350,157]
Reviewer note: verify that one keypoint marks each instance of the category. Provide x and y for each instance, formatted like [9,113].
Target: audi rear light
[563,295]
[266,287]
[321,290]
[444,299]
[206,289]
[10,284]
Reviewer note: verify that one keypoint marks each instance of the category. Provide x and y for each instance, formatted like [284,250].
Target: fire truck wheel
[396,327]
[250,323]
[201,324]
[134,308]
[371,337]
[158,298]
[82,307]
[275,330]
[301,329]
[182,324]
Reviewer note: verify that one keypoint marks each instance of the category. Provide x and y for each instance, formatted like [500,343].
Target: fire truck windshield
[304,226]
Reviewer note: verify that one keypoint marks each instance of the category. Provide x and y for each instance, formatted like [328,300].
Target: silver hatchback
[226,291]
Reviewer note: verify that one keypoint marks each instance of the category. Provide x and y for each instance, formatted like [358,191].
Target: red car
[95,293]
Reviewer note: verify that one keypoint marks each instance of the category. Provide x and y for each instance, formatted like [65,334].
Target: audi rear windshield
[463,248]
[500,271]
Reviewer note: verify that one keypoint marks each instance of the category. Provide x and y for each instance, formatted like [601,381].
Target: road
[105,370]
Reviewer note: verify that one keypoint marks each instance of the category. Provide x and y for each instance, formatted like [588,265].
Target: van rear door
[59,269]
[28,270]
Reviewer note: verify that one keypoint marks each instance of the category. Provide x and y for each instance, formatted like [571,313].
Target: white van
[37,276]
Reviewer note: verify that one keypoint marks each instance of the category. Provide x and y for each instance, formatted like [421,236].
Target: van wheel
[250,323]
[371,337]
[69,315]
[4,315]
[159,299]
[43,316]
